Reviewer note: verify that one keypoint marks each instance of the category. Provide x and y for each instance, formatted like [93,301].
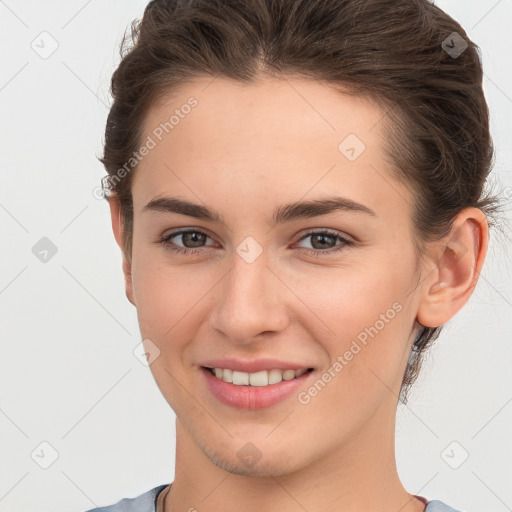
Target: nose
[251,301]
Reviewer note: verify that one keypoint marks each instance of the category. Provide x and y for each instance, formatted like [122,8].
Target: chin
[262,468]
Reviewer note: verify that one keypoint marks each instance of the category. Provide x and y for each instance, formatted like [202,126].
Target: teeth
[263,378]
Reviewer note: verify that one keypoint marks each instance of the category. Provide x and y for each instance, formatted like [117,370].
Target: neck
[357,476]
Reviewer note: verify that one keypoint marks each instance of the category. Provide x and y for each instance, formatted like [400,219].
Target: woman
[297,189]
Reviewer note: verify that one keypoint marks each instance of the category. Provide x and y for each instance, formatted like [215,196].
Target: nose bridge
[250,300]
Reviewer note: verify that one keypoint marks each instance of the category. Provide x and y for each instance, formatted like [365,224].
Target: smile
[256,390]
[257,379]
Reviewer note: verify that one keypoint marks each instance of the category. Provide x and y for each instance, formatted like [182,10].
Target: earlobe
[118,230]
[458,262]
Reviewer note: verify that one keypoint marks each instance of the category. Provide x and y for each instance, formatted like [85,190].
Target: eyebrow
[284,213]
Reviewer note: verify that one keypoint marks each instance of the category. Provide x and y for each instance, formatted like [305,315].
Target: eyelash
[166,243]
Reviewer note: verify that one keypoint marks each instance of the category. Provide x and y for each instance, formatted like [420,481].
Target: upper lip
[254,365]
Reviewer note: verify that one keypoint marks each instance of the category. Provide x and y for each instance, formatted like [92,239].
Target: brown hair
[408,55]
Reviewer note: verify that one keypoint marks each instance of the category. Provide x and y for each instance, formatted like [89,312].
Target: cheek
[363,321]
[348,300]
[370,319]
[168,301]
[169,298]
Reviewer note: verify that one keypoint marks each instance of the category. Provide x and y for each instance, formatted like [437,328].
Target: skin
[244,151]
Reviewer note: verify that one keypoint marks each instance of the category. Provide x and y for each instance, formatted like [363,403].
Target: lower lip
[253,397]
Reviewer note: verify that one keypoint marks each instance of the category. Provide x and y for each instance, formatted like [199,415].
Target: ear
[458,260]
[118,229]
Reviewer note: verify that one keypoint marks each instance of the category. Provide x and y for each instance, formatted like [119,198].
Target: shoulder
[143,503]
[439,506]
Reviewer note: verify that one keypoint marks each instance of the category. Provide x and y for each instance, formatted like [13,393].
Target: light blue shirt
[147,503]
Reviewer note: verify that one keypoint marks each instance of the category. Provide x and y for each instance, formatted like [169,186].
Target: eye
[193,237]
[324,242]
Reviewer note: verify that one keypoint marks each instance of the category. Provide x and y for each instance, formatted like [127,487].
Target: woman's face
[259,285]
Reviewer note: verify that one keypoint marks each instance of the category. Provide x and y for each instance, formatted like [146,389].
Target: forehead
[276,139]
[255,113]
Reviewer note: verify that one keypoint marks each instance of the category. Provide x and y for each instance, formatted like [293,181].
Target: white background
[69,377]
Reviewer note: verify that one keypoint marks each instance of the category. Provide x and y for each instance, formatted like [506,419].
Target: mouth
[263,378]
[255,391]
